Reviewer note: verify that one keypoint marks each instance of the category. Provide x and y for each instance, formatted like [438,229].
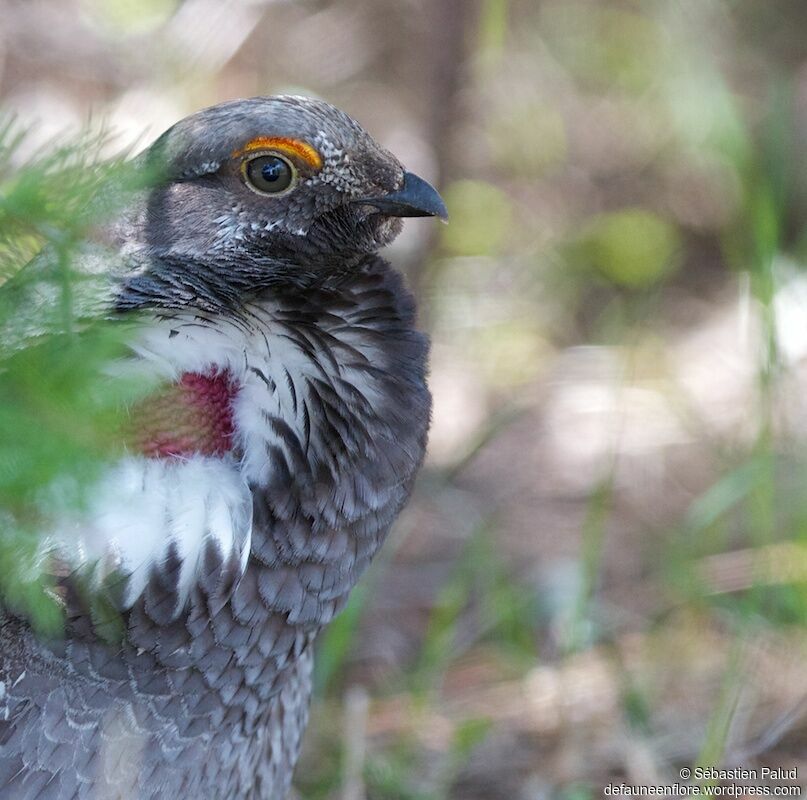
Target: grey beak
[416,198]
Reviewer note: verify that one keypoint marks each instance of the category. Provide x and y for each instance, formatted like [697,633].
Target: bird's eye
[269,174]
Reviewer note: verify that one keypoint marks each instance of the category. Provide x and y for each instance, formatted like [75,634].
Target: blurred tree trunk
[447,48]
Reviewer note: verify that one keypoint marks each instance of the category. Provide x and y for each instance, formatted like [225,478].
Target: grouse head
[275,190]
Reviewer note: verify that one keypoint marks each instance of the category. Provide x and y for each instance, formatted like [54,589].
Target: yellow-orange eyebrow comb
[283,144]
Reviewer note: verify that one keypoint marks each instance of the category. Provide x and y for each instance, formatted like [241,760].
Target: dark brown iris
[269,174]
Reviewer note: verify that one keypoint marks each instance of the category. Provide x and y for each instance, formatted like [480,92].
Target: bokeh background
[602,576]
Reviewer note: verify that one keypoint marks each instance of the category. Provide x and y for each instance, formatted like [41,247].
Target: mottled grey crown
[202,142]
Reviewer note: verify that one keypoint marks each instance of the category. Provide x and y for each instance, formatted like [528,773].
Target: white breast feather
[144,505]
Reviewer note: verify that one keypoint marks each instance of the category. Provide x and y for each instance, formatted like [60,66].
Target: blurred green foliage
[481,219]
[633,248]
[336,642]
[604,46]
[130,16]
[61,409]
[528,140]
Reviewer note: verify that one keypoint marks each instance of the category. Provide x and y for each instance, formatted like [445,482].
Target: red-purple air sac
[192,416]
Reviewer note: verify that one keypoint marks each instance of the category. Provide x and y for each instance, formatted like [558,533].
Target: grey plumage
[206,693]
